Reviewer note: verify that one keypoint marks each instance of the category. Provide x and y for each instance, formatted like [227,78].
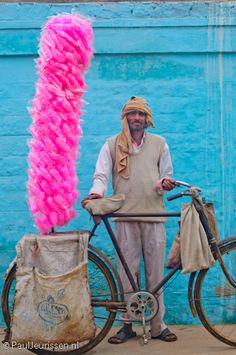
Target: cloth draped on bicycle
[105,205]
[174,253]
[194,248]
[52,302]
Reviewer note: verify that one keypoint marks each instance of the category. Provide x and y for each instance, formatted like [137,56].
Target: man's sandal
[122,336]
[166,335]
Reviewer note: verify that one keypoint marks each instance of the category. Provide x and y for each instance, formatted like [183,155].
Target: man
[141,169]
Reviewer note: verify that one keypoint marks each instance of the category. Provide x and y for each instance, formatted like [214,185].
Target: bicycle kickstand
[145,336]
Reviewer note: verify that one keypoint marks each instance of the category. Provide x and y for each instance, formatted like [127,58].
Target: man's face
[136,121]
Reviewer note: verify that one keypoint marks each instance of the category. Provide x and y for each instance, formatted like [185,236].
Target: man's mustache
[137,121]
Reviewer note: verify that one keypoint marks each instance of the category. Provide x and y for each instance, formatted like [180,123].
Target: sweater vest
[141,194]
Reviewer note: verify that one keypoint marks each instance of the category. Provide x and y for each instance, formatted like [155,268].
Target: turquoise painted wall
[180,56]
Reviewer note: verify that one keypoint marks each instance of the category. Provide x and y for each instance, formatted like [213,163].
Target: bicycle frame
[211,241]
[116,301]
[105,220]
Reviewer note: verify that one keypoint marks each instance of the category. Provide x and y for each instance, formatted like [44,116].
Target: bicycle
[211,292]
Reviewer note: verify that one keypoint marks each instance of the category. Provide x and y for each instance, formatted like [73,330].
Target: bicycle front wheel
[103,289]
[215,298]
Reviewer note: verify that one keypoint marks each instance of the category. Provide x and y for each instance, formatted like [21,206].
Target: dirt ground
[191,340]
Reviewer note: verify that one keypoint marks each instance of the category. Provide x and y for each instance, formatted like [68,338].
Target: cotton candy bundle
[65,52]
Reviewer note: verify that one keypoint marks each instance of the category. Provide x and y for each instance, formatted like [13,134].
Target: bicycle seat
[101,206]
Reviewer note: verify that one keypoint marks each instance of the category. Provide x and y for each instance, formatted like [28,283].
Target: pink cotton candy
[53,218]
[33,205]
[43,223]
[65,51]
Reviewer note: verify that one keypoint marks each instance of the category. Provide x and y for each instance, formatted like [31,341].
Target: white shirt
[104,168]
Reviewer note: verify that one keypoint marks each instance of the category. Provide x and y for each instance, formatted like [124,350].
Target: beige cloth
[194,248]
[104,205]
[52,301]
[124,148]
[124,145]
[174,253]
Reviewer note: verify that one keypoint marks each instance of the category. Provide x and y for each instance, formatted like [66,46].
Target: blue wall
[180,56]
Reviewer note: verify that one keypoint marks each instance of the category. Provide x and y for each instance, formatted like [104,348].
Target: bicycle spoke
[215,298]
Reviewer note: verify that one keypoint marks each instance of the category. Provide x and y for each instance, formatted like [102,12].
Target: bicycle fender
[111,266]
[190,293]
[11,265]
[224,242]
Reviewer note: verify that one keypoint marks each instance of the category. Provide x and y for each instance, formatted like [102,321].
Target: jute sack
[194,248]
[52,303]
[174,253]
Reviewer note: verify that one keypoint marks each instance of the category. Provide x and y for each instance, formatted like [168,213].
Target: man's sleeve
[102,172]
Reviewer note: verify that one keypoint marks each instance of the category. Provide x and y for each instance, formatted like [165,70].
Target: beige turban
[124,145]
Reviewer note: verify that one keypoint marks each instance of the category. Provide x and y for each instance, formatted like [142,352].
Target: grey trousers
[149,239]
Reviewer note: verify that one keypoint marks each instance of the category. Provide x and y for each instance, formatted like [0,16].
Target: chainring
[141,304]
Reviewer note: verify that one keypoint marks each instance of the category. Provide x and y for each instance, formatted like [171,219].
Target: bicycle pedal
[144,340]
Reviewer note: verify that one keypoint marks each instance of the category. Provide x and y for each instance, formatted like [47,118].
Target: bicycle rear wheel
[102,287]
[215,298]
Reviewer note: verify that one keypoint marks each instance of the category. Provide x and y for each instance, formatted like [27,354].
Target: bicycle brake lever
[182,183]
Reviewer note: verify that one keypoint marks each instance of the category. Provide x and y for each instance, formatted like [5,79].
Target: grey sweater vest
[140,189]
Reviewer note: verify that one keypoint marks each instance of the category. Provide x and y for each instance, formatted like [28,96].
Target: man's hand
[97,220]
[168,184]
[90,197]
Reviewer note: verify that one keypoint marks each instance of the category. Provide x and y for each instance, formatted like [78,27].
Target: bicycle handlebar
[182,183]
[173,197]
[191,191]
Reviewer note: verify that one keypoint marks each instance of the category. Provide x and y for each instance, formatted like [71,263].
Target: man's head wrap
[136,103]
[124,146]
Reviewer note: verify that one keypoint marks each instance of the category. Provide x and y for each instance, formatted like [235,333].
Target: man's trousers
[147,239]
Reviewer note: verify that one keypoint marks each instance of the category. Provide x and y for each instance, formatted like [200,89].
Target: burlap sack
[52,301]
[194,249]
[174,253]
[53,254]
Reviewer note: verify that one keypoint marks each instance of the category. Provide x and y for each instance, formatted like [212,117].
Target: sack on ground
[52,303]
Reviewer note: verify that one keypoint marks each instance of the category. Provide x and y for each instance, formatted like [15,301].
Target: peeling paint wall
[180,56]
